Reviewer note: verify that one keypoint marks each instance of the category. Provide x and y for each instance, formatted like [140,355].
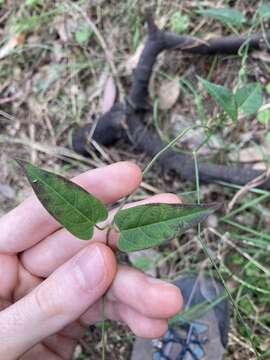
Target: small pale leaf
[249,98]
[168,94]
[72,206]
[83,35]
[133,60]
[223,96]
[227,15]
[264,10]
[13,42]
[145,226]
[109,95]
[179,22]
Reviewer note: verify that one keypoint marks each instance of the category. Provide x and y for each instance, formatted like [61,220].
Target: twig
[261,179]
[126,121]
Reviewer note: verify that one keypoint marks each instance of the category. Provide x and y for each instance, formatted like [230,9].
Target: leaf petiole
[102,228]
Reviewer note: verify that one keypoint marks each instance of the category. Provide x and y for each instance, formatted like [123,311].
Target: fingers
[60,345]
[40,352]
[26,282]
[28,223]
[139,324]
[143,303]
[149,296]
[58,301]
[57,248]
[8,275]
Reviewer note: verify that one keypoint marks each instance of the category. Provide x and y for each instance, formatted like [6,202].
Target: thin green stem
[103,330]
[213,263]
[245,206]
[197,177]
[155,158]
[171,144]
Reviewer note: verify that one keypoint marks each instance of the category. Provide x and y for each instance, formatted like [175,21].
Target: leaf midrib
[161,222]
[66,201]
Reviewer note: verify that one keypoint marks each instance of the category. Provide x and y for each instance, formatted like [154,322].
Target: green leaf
[267,137]
[145,226]
[264,10]
[223,96]
[226,15]
[249,98]
[32,3]
[264,116]
[72,206]
[179,22]
[267,88]
[83,35]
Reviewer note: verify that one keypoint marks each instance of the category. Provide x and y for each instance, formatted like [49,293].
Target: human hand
[51,283]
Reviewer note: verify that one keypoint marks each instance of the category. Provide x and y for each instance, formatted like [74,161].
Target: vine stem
[103,332]
[214,264]
[157,156]
[126,199]
[171,144]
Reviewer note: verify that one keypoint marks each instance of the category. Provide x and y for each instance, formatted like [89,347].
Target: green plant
[179,22]
[83,35]
[228,16]
[246,99]
[139,227]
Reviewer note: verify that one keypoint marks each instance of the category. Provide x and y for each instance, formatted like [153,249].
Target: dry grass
[54,78]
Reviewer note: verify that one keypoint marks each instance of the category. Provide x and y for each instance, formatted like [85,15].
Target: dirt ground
[56,60]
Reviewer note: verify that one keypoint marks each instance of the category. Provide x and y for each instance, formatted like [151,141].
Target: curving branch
[125,121]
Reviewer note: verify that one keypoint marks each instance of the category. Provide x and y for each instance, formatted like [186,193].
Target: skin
[51,283]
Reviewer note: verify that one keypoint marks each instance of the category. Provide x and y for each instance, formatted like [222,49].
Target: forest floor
[55,73]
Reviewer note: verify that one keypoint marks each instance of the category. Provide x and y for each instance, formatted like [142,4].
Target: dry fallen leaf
[255,155]
[109,95]
[168,94]
[65,28]
[250,154]
[15,40]
[132,61]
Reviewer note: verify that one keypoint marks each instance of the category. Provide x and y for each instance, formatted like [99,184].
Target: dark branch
[125,121]
[145,141]
[159,41]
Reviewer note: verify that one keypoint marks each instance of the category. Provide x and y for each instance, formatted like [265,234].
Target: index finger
[53,251]
[29,222]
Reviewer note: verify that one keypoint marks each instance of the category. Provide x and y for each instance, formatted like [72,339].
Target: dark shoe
[201,336]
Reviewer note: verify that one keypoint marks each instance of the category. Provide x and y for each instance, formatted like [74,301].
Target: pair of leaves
[140,227]
[247,99]
[264,11]
[227,16]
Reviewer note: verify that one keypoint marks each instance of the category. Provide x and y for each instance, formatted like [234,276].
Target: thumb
[57,301]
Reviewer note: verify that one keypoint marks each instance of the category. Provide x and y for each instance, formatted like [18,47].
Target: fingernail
[153,280]
[90,268]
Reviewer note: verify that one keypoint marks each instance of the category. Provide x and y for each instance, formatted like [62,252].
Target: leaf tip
[215,206]
[21,162]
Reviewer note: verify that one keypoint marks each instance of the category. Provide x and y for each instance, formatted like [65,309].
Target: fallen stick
[126,121]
